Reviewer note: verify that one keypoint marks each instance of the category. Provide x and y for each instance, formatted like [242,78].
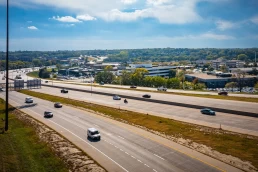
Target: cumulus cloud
[128,1]
[68,19]
[224,25]
[32,28]
[85,17]
[210,35]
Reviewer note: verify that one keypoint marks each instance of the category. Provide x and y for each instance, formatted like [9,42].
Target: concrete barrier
[236,112]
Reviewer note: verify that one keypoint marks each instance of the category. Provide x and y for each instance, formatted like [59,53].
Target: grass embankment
[22,151]
[244,99]
[238,145]
[34,74]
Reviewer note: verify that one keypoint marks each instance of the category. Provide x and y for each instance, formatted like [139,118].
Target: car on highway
[146,96]
[116,97]
[101,83]
[46,81]
[1,89]
[64,91]
[224,93]
[208,111]
[28,100]
[48,114]
[93,133]
[58,105]
[133,86]
[162,88]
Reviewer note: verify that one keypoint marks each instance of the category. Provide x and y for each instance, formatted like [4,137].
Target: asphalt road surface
[242,124]
[119,148]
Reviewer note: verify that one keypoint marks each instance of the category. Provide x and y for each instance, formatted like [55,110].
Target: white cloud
[224,25]
[254,19]
[210,35]
[68,19]
[85,17]
[157,2]
[32,28]
[128,1]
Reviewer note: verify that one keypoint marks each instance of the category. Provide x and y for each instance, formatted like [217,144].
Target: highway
[231,122]
[120,149]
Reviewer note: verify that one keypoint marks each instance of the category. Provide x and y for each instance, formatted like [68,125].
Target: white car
[28,100]
[93,133]
[162,89]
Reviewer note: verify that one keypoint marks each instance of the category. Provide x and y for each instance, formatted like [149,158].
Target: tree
[195,81]
[210,68]
[105,76]
[223,68]
[172,73]
[108,68]
[159,81]
[138,76]
[256,86]
[126,77]
[43,73]
[173,83]
[242,57]
[181,77]
[240,75]
[199,86]
[231,85]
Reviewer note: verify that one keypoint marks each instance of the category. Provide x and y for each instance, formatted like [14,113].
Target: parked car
[93,133]
[28,100]
[64,91]
[146,96]
[133,86]
[116,97]
[101,83]
[208,111]
[48,114]
[162,88]
[224,93]
[58,105]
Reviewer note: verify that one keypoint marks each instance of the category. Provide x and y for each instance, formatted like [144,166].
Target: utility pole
[7,67]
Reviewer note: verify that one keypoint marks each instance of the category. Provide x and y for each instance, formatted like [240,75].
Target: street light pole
[7,67]
[91,83]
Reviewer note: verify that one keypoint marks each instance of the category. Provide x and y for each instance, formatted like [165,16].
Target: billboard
[34,83]
[18,84]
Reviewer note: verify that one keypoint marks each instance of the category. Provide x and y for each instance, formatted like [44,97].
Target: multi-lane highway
[120,149]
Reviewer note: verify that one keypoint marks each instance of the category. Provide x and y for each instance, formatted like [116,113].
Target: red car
[224,93]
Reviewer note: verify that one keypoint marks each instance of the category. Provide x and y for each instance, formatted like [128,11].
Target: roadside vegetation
[22,151]
[34,74]
[229,143]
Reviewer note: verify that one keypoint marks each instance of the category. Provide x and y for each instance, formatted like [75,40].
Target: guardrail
[236,112]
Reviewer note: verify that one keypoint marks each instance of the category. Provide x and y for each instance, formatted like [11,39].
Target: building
[235,63]
[220,80]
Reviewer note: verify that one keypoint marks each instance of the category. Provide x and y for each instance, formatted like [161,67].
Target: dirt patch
[75,158]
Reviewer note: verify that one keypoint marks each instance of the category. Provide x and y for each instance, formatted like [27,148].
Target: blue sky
[118,24]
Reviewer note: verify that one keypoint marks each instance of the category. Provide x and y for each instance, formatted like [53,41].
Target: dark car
[133,86]
[48,114]
[64,91]
[224,93]
[58,105]
[101,83]
[116,97]
[46,81]
[208,111]
[146,96]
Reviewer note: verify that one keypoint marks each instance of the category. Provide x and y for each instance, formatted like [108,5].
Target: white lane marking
[139,160]
[96,125]
[121,150]
[121,137]
[146,165]
[85,142]
[154,170]
[127,153]
[116,146]
[132,156]
[159,157]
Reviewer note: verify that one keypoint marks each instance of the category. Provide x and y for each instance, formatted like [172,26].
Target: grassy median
[34,74]
[238,145]
[22,151]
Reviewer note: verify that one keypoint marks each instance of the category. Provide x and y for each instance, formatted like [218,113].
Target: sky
[47,25]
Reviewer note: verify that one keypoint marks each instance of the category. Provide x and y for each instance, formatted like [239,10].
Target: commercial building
[228,63]
[220,80]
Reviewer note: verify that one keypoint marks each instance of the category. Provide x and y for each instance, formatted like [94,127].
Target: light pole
[7,67]
[91,83]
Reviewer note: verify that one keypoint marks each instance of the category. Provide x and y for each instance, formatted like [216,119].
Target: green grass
[220,97]
[34,74]
[22,151]
[238,145]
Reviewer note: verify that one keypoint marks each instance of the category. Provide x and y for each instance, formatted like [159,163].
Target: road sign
[18,84]
[34,83]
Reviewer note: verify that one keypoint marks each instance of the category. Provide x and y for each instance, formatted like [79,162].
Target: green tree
[242,57]
[108,68]
[223,68]
[138,76]
[126,77]
[173,83]
[43,73]
[240,75]
[199,86]
[231,85]
[172,73]
[256,86]
[159,81]
[105,76]
[181,77]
